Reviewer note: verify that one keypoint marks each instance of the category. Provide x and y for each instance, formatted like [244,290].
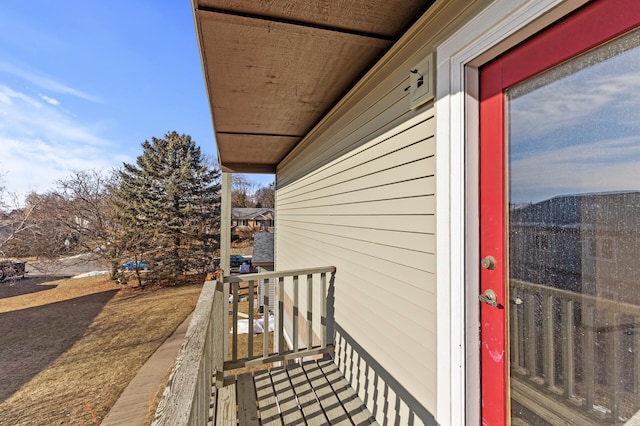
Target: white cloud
[576,98]
[40,143]
[49,100]
[43,81]
[610,165]
[579,133]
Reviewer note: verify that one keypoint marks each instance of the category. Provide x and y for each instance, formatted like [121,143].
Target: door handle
[490,298]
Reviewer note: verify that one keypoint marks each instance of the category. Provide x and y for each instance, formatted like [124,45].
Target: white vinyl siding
[371,213]
[359,193]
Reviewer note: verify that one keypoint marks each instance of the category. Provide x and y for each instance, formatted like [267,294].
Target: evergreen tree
[170,206]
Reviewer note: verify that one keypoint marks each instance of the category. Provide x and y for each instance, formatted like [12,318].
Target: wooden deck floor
[314,393]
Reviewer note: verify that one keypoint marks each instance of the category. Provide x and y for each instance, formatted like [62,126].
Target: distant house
[258,219]
[584,243]
[263,261]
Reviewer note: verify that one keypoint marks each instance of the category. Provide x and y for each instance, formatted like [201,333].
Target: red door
[510,197]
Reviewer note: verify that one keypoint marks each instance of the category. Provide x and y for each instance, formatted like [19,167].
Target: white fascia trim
[456,212]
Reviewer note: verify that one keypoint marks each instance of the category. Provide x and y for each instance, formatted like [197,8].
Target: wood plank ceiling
[274,68]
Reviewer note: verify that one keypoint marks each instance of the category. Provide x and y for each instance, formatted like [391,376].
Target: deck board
[331,405]
[289,408]
[312,394]
[247,407]
[267,401]
[309,404]
[345,393]
[227,406]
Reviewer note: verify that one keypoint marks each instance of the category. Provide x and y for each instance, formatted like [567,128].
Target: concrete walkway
[132,408]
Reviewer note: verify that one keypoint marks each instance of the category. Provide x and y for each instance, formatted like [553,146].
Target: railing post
[219,312]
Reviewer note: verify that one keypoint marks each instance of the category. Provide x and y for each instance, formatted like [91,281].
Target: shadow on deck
[312,393]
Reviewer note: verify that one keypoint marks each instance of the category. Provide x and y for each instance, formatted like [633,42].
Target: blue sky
[84,83]
[579,134]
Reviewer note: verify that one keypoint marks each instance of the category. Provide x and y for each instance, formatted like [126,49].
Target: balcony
[232,380]
[575,358]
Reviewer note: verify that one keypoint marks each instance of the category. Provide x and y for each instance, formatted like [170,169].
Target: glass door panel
[573,144]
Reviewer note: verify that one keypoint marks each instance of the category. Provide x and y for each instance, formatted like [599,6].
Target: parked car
[237,260]
[12,268]
[130,265]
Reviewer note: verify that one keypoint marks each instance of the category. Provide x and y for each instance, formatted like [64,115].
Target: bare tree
[266,196]
[77,217]
[14,220]
[242,191]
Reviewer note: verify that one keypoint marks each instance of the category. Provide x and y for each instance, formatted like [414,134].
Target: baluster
[225,319]
[588,376]
[568,362]
[281,314]
[236,290]
[265,319]
[309,311]
[514,326]
[530,333]
[323,313]
[250,323]
[615,345]
[295,313]
[548,343]
[636,363]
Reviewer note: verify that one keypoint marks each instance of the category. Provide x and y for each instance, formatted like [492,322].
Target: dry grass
[244,247]
[73,345]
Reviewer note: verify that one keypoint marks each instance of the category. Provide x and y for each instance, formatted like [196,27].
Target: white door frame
[502,25]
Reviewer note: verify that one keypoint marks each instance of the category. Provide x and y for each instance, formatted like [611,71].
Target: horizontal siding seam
[395,166]
[351,153]
[351,150]
[283,204]
[358,145]
[358,227]
[362,202]
[361,240]
[283,214]
[305,237]
[429,282]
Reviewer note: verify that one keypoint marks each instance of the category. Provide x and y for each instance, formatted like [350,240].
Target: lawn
[70,347]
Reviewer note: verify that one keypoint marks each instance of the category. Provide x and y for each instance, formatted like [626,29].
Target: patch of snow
[258,326]
[91,274]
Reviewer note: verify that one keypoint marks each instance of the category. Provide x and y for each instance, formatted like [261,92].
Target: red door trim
[585,29]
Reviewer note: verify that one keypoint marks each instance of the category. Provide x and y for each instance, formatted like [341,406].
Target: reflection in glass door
[573,138]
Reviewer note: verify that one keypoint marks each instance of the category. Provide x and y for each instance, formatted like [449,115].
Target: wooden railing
[249,358]
[203,359]
[575,354]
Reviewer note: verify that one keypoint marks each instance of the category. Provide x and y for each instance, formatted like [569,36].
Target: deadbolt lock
[489,262]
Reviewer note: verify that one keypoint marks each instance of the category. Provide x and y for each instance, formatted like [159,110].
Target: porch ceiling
[274,68]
